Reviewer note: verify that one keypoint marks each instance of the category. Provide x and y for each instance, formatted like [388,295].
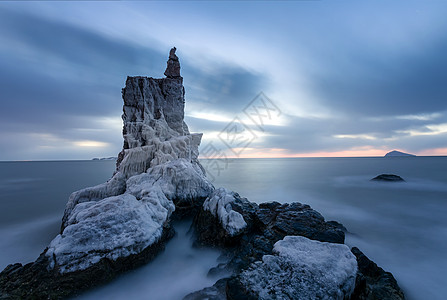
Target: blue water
[401,226]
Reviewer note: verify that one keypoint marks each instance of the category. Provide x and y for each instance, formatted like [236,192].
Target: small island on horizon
[105,158]
[396,153]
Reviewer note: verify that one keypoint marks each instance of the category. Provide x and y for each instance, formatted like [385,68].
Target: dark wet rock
[338,225]
[235,290]
[388,177]
[210,231]
[187,208]
[215,292]
[224,289]
[373,282]
[297,219]
[218,271]
[267,223]
[37,281]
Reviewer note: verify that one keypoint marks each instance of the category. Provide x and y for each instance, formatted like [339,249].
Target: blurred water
[178,271]
[32,201]
[401,226]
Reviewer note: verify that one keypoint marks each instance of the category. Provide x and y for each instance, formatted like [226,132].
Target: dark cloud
[200,125]
[56,78]
[61,71]
[375,83]
[229,90]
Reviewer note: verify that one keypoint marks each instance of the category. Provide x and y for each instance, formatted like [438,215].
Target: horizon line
[229,157]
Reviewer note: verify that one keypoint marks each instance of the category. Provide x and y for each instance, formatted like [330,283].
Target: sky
[342,78]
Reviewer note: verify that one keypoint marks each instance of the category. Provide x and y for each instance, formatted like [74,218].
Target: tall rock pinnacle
[173,67]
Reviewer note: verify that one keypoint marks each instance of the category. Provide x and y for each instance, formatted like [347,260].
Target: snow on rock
[303,269]
[115,186]
[219,204]
[178,179]
[156,152]
[110,228]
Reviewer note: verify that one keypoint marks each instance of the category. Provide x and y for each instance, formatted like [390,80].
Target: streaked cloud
[358,81]
[355,136]
[87,143]
[432,129]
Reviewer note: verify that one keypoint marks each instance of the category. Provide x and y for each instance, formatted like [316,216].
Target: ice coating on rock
[154,131]
[110,228]
[178,179]
[115,186]
[219,204]
[303,269]
[157,167]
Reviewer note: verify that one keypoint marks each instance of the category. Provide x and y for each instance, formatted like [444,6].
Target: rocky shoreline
[273,250]
[268,224]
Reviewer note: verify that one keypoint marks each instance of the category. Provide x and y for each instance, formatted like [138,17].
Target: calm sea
[401,226]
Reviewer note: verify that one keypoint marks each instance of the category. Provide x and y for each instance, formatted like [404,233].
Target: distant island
[105,158]
[397,153]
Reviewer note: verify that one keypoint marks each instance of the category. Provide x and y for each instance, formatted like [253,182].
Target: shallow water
[401,226]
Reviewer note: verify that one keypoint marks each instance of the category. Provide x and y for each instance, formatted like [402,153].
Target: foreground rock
[373,282]
[388,178]
[37,281]
[125,222]
[282,251]
[301,268]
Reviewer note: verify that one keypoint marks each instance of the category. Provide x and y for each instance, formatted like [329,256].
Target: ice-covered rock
[181,180]
[110,228]
[302,269]
[113,187]
[220,205]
